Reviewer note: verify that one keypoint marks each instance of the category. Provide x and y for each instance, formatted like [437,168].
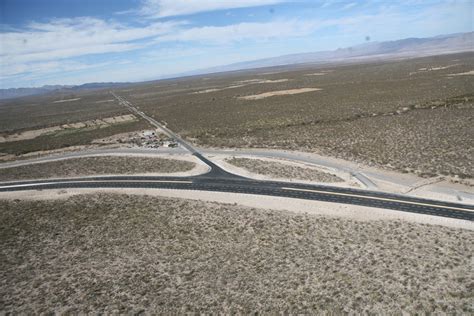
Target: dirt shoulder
[111,253]
[313,207]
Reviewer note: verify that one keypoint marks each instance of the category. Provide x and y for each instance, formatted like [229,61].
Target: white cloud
[349,5]
[243,31]
[261,31]
[41,45]
[167,8]
[51,49]
[392,23]
[47,47]
[65,38]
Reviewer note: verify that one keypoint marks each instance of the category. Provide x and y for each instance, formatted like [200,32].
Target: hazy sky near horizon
[77,41]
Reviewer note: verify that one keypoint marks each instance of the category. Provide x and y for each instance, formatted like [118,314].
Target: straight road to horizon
[219,180]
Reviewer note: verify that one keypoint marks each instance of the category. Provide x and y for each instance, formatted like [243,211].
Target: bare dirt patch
[317,74]
[32,134]
[277,93]
[433,68]
[97,165]
[240,84]
[66,100]
[108,254]
[467,73]
[281,170]
[219,89]
[255,81]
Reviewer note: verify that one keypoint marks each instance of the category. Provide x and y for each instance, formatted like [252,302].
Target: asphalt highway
[219,180]
[366,178]
[236,184]
[215,172]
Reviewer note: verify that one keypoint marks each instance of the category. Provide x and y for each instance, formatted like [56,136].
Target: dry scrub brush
[126,254]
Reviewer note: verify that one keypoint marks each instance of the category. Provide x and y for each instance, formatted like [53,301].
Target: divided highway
[219,180]
[222,183]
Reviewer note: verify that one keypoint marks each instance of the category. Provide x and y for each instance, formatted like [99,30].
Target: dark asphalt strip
[240,181]
[288,190]
[219,180]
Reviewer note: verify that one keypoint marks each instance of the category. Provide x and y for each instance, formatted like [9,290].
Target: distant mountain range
[400,49]
[404,48]
[23,92]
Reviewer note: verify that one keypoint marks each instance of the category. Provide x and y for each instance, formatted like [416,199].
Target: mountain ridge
[403,48]
[11,93]
[398,49]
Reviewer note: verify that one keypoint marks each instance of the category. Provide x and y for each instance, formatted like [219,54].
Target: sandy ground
[31,134]
[277,93]
[360,213]
[240,84]
[255,81]
[433,188]
[424,69]
[219,89]
[467,73]
[130,138]
[67,100]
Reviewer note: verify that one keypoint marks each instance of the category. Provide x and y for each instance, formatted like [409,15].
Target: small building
[169,143]
[149,134]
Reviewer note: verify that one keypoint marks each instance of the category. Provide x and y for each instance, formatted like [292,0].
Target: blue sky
[77,41]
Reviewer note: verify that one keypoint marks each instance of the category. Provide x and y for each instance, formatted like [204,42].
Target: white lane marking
[89,181]
[381,199]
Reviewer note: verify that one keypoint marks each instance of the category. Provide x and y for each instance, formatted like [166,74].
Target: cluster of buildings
[154,139]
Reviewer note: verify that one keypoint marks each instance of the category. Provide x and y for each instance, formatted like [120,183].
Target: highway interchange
[219,180]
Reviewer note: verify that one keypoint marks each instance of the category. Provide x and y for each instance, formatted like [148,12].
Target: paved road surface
[219,180]
[295,157]
[236,184]
[266,153]
[216,171]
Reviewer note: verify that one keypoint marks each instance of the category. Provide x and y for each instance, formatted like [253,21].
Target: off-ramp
[219,180]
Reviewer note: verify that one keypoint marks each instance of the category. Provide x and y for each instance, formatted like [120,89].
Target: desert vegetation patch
[98,165]
[282,170]
[118,254]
